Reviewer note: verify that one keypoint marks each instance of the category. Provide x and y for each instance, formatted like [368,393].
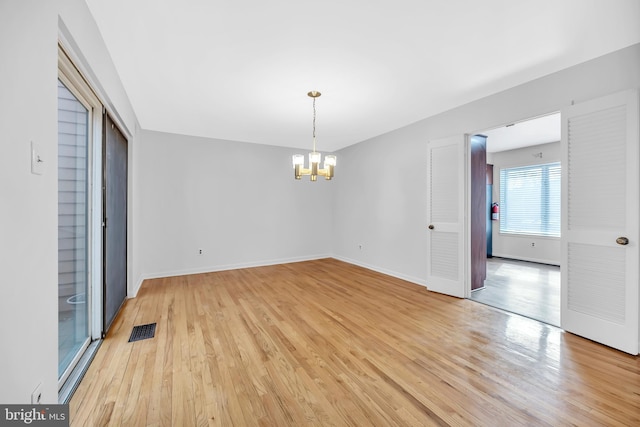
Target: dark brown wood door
[478,211]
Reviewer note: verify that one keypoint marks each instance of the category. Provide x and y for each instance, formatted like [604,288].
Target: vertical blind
[530,200]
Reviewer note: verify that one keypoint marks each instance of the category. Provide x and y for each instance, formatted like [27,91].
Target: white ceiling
[240,70]
[539,130]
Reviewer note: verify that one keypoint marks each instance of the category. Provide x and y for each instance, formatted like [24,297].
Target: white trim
[412,279]
[224,267]
[528,259]
[72,365]
[202,270]
[466,228]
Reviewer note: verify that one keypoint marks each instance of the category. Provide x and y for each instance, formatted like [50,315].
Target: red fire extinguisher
[495,212]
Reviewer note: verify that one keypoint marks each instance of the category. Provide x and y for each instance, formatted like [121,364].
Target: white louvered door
[600,186]
[445,211]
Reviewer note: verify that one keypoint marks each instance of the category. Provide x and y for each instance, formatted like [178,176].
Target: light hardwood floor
[328,343]
[526,288]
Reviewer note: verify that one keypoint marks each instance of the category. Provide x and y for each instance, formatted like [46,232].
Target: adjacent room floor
[526,288]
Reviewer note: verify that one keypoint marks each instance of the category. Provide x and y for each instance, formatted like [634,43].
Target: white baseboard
[520,258]
[416,280]
[212,269]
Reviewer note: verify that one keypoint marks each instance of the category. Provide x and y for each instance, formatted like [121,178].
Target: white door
[600,220]
[445,211]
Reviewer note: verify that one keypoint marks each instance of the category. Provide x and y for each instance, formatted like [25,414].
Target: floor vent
[142,332]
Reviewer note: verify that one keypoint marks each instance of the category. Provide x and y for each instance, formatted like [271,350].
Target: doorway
[515,180]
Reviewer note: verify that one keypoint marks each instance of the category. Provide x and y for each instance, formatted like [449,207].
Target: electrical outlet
[360,246]
[200,251]
[36,396]
[533,244]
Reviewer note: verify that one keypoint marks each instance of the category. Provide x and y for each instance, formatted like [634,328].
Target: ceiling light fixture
[314,157]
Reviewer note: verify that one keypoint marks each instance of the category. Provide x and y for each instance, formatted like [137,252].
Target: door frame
[467,197]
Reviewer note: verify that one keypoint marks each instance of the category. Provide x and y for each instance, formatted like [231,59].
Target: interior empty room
[285,213]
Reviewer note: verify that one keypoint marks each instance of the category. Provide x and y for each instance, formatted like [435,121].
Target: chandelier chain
[314,124]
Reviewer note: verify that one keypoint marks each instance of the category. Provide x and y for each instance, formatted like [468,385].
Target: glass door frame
[78,86]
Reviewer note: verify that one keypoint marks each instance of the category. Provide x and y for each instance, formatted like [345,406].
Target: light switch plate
[36,396]
[37,162]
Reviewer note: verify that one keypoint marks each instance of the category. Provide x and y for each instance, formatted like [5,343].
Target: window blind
[530,200]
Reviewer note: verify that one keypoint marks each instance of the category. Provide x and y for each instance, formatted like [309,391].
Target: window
[530,200]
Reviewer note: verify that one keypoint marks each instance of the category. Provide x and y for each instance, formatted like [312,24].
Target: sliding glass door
[73,233]
[79,224]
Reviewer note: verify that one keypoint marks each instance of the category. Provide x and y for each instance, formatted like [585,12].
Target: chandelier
[314,157]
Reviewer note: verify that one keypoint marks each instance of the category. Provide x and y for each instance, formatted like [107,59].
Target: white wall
[237,201]
[544,249]
[380,199]
[28,243]
[28,216]
[379,217]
